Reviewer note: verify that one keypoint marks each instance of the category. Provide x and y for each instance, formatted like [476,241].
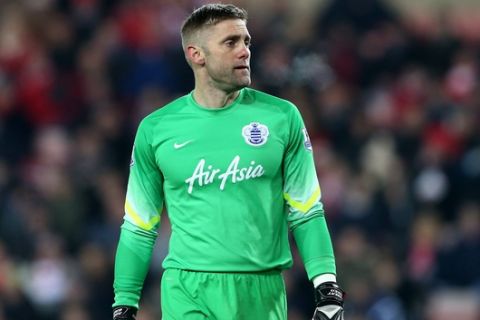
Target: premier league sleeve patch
[132,157]
[306,140]
[255,134]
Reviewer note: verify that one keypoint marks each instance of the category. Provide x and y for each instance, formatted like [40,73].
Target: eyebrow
[235,37]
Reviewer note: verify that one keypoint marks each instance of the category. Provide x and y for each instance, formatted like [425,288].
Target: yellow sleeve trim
[138,220]
[303,206]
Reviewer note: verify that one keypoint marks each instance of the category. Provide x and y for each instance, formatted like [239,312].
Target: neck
[214,98]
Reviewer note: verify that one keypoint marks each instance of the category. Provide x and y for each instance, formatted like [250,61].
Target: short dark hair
[209,15]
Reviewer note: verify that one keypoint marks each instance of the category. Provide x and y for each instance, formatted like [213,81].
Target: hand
[329,301]
[124,313]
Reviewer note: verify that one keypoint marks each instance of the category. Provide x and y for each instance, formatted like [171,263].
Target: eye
[248,43]
[229,43]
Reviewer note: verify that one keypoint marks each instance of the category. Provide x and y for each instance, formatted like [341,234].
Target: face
[227,55]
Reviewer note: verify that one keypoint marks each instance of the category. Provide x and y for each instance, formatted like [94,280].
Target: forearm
[132,262]
[315,246]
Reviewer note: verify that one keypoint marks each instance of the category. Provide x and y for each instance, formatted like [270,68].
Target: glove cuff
[124,313]
[329,293]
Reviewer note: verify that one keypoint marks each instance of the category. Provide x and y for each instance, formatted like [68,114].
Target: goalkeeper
[234,168]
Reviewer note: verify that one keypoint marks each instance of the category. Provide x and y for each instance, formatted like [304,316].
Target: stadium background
[390,95]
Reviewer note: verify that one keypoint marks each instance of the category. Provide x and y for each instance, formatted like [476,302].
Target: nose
[244,52]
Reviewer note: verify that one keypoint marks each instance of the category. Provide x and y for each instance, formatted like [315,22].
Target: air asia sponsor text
[233,174]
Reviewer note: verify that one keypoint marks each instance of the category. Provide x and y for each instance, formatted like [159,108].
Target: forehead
[227,28]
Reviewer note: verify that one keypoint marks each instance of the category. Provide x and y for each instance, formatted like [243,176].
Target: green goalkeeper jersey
[232,180]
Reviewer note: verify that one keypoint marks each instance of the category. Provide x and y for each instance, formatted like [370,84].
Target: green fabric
[315,247]
[232,179]
[132,262]
[192,295]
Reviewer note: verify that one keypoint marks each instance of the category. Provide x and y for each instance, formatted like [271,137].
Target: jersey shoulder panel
[261,97]
[173,107]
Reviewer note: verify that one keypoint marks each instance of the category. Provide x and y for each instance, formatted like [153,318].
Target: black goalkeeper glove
[124,313]
[329,301]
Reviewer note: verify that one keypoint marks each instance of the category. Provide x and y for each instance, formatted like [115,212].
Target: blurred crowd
[392,106]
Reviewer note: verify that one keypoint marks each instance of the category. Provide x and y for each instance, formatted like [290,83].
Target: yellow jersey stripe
[303,206]
[138,220]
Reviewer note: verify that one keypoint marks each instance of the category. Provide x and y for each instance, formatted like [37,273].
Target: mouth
[242,68]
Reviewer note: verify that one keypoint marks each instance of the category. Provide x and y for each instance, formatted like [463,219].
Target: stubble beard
[245,82]
[227,78]
[231,82]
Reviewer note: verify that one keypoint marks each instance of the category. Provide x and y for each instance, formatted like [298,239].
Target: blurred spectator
[453,304]
[46,280]
[459,261]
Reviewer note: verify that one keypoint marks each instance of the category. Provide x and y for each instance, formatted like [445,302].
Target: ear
[195,55]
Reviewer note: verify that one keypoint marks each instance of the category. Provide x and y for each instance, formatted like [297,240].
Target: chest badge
[255,134]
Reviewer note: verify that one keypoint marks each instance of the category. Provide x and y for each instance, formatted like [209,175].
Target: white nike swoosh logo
[181,145]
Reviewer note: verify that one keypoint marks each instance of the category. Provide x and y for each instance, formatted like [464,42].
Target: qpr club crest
[255,134]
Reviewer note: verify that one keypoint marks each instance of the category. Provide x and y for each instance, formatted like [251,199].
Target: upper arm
[144,198]
[301,188]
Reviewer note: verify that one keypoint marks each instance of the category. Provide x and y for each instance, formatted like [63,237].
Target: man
[234,167]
